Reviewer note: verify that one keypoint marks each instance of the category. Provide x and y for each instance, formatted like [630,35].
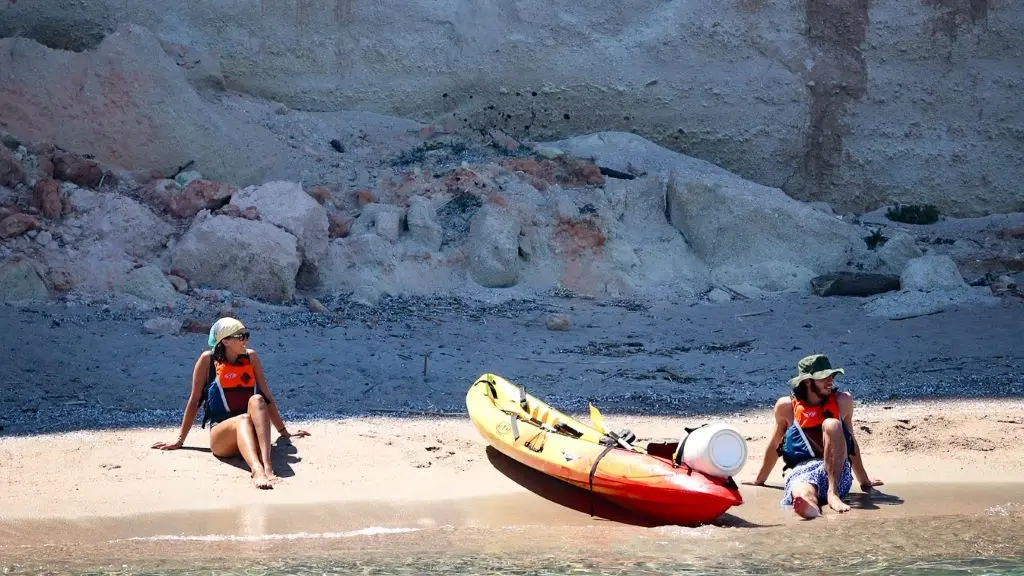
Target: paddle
[598,421]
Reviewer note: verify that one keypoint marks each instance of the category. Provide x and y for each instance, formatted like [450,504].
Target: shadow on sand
[283,454]
[582,500]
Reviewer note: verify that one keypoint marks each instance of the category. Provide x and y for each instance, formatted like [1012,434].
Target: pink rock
[321,194]
[17,224]
[364,197]
[48,196]
[11,173]
[199,195]
[81,171]
[339,225]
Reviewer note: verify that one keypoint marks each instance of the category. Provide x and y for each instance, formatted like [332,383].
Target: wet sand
[912,520]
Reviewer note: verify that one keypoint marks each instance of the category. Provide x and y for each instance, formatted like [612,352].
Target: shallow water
[916,530]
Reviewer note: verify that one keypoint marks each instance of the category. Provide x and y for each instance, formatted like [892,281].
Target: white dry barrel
[716,450]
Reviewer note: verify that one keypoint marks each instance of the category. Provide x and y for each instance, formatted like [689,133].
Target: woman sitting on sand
[228,382]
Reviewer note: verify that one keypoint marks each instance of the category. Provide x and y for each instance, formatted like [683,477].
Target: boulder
[50,198]
[150,284]
[361,264]
[121,222]
[932,273]
[20,281]
[423,224]
[252,258]
[162,326]
[769,276]
[732,223]
[494,247]
[384,219]
[558,322]
[17,224]
[640,249]
[854,284]
[736,224]
[11,173]
[197,195]
[286,205]
[899,249]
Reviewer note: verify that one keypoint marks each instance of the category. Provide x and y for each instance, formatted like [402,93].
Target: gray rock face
[150,284]
[383,219]
[932,273]
[252,258]
[899,249]
[286,205]
[494,247]
[127,103]
[746,233]
[121,222]
[423,224]
[734,222]
[776,92]
[20,281]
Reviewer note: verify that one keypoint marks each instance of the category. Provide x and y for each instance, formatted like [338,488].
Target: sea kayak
[544,439]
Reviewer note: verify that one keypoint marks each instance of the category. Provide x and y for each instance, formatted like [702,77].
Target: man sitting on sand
[813,432]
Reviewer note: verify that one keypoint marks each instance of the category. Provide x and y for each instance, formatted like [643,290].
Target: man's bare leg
[835,461]
[261,424]
[805,500]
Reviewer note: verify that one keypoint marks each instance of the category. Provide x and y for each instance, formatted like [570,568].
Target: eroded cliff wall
[852,102]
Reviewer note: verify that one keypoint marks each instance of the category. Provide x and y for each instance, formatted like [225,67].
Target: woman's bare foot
[274,478]
[261,481]
[805,509]
[836,503]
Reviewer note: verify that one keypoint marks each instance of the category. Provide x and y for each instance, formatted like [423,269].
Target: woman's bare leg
[236,436]
[261,424]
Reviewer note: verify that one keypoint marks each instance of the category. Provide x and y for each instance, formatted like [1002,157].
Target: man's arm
[771,455]
[846,403]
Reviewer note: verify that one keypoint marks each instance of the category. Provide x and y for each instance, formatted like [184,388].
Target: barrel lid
[728,450]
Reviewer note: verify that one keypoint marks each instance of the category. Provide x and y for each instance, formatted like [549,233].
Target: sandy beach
[393,462]
[382,432]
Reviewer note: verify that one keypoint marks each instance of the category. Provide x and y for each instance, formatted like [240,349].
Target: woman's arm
[275,415]
[199,374]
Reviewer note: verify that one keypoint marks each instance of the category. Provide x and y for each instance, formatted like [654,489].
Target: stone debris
[178,196]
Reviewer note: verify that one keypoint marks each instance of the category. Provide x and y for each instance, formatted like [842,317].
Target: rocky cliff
[856,103]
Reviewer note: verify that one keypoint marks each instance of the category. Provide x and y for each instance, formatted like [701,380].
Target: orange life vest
[811,416]
[804,438]
[228,392]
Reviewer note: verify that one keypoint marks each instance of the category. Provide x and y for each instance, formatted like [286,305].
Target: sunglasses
[239,336]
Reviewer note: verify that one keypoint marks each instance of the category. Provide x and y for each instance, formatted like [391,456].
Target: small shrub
[876,240]
[913,214]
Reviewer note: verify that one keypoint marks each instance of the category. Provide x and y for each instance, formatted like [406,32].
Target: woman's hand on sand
[167,445]
[297,434]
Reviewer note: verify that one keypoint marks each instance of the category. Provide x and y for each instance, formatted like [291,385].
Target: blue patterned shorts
[813,472]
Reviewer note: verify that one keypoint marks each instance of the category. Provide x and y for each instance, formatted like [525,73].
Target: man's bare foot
[261,481]
[805,509]
[836,503]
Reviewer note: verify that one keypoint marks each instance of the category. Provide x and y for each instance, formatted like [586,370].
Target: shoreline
[92,475]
